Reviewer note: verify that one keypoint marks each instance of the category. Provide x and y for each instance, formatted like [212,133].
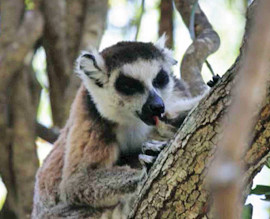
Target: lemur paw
[151,149]
[214,81]
[146,161]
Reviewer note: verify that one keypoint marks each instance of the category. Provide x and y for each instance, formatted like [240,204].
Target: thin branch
[142,9]
[192,20]
[48,134]
[192,31]
[226,172]
[210,67]
[205,43]
[166,21]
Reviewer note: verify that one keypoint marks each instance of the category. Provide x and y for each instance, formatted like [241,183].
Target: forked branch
[206,41]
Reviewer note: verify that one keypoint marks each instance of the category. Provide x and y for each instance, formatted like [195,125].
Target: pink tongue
[156,120]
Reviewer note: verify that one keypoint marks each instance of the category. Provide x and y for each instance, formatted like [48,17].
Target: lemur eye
[161,80]
[128,86]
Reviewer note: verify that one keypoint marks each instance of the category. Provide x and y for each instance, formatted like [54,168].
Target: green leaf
[267,198]
[247,211]
[261,190]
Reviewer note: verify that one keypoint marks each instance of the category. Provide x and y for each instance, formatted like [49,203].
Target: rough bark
[166,21]
[205,42]
[175,187]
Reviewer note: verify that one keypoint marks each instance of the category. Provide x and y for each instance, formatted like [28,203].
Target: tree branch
[139,21]
[166,21]
[175,187]
[205,43]
[48,134]
[12,58]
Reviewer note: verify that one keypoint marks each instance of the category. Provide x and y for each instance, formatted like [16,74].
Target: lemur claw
[214,81]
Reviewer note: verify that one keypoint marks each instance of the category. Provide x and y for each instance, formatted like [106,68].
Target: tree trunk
[18,103]
[175,187]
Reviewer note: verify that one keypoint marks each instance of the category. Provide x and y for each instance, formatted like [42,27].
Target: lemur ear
[161,41]
[90,65]
[161,45]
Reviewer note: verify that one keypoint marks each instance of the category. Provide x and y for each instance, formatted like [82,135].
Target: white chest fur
[131,138]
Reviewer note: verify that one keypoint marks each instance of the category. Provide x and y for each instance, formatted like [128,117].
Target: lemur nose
[157,108]
[154,104]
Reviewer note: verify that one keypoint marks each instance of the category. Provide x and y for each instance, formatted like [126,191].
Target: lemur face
[130,81]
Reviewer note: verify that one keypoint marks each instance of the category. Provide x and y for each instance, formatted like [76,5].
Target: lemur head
[129,82]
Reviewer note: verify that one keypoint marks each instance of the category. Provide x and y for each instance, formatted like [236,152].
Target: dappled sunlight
[260,208]
[43,149]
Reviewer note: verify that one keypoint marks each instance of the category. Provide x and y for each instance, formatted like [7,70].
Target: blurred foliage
[247,211]
[3,193]
[2,200]
[261,190]
[29,4]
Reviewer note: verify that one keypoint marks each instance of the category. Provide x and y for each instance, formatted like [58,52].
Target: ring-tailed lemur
[126,90]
